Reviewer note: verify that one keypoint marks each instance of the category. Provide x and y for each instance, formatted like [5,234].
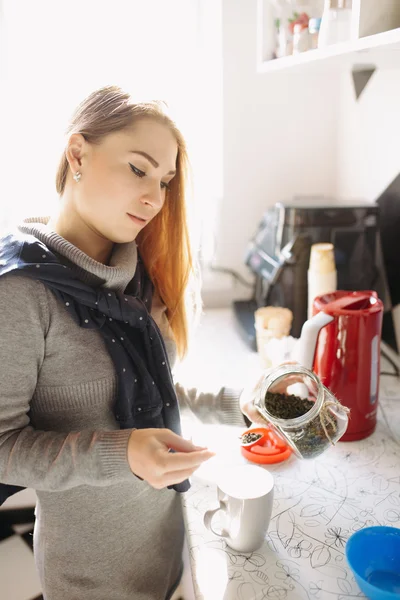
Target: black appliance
[389,220]
[279,254]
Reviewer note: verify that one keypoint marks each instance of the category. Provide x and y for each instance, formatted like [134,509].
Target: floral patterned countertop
[318,504]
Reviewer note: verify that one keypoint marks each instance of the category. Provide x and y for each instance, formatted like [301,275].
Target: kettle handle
[305,349]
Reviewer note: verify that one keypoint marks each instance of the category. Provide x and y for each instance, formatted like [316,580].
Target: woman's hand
[247,402]
[150,458]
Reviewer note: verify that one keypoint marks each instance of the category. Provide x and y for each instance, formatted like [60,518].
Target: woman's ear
[75,151]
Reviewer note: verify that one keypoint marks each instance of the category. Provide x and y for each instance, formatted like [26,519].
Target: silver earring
[77,176]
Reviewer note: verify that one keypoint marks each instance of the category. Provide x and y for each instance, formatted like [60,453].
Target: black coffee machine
[279,255]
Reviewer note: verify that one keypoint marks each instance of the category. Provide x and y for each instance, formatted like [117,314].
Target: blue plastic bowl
[373,554]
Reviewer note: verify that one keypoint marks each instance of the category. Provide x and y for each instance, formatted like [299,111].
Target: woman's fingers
[177,461]
[150,457]
[176,442]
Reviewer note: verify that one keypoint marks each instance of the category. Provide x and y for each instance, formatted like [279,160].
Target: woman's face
[124,178]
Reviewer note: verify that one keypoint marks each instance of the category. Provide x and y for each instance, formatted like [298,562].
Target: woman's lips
[137,220]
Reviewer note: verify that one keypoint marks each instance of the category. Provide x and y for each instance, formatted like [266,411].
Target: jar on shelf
[300,38]
[314,26]
[305,413]
[336,23]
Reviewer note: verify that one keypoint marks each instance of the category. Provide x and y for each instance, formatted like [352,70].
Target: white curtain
[55,52]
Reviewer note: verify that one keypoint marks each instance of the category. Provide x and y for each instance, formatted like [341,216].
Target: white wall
[279,137]
[154,49]
[368,136]
[368,141]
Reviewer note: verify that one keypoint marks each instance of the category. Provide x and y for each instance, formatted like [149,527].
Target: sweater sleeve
[43,460]
[220,406]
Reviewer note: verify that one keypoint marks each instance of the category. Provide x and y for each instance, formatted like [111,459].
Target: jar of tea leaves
[305,412]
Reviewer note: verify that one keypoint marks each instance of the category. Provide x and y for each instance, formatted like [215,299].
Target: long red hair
[164,244]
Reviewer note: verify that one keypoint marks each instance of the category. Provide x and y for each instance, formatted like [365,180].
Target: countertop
[318,503]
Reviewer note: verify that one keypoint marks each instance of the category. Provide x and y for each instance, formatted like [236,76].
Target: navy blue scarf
[146,393]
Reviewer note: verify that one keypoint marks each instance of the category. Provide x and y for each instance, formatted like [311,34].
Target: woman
[88,418]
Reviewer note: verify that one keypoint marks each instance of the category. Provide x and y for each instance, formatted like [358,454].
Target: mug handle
[208,517]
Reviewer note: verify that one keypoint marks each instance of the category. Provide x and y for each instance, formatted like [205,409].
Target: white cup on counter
[245,495]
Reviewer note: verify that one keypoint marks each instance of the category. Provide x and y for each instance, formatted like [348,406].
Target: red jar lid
[268,449]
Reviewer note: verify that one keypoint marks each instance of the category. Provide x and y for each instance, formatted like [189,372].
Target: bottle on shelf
[313,29]
[301,38]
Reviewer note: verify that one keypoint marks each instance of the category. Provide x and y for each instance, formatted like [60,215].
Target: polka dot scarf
[146,393]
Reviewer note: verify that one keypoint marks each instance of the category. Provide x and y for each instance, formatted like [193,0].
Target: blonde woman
[92,317]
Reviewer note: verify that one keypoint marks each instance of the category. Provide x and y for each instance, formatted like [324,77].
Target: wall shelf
[381,50]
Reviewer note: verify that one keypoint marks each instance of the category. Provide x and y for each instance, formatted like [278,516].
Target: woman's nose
[153,196]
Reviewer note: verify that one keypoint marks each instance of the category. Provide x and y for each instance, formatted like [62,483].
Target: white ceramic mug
[245,495]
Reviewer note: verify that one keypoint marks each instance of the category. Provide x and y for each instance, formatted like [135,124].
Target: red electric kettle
[341,344]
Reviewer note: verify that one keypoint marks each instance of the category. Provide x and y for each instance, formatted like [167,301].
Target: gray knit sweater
[100,533]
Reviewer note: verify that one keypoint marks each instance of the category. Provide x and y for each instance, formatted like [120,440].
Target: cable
[388,358]
[234,274]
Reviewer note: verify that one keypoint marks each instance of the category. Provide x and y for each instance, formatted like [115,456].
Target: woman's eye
[137,171]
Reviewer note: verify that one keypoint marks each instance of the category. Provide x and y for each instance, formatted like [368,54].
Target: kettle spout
[305,349]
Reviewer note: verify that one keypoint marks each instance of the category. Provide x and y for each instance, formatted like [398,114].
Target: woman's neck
[73,229]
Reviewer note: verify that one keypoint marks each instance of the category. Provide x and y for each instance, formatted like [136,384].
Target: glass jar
[320,420]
